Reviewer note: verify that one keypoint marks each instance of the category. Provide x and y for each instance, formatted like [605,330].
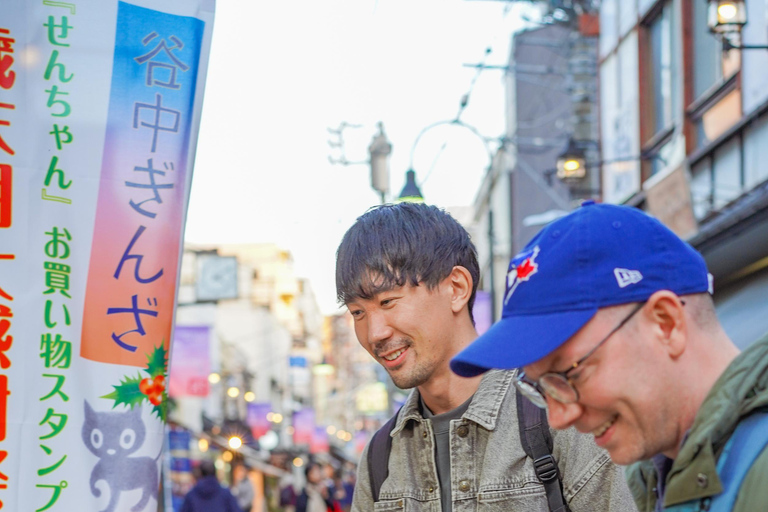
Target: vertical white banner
[100,105]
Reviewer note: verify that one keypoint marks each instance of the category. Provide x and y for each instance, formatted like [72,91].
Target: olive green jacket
[740,390]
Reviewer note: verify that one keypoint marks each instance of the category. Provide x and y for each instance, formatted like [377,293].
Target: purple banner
[190,361]
[482,311]
[319,442]
[257,418]
[303,426]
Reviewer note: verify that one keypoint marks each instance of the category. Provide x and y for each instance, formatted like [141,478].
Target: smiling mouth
[394,355]
[599,431]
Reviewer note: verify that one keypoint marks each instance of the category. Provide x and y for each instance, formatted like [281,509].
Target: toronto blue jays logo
[521,268]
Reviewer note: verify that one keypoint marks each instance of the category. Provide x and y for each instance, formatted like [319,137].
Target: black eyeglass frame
[536,393]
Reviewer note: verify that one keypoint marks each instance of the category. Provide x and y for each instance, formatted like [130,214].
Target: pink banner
[319,442]
[257,418]
[303,426]
[190,361]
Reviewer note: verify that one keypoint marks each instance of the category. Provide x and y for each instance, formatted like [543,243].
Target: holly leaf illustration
[127,392]
[157,362]
[161,410]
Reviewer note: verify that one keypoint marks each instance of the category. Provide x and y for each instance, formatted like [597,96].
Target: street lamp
[379,150]
[726,16]
[571,163]
[411,192]
[726,19]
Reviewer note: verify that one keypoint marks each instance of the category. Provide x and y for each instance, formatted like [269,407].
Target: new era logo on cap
[626,277]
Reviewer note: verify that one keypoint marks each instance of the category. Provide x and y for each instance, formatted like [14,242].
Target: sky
[282,73]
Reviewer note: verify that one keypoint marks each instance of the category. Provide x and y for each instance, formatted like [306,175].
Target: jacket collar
[483,409]
[742,388]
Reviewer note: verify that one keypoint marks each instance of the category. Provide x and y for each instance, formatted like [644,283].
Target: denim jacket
[489,469]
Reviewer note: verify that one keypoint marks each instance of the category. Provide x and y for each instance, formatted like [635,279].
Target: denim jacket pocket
[528,499]
[409,504]
[389,505]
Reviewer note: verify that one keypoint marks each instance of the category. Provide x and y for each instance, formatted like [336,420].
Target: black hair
[309,467]
[397,244]
[207,468]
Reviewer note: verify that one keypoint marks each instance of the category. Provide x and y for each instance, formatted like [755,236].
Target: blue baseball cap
[597,256]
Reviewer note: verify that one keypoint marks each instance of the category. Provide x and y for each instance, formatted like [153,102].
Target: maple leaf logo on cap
[521,268]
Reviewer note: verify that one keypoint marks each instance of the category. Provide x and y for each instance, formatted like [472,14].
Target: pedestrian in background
[610,315]
[408,273]
[208,495]
[315,497]
[242,488]
[287,494]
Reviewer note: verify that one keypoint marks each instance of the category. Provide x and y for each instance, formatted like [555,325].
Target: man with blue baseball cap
[609,317]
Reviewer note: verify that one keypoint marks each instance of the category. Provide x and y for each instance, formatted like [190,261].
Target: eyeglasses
[558,385]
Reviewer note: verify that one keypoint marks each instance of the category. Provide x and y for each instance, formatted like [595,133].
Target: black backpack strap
[537,443]
[378,456]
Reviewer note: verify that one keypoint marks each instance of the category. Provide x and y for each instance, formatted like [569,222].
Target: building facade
[684,136]
[551,104]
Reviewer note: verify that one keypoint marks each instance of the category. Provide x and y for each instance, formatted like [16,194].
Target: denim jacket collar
[483,410]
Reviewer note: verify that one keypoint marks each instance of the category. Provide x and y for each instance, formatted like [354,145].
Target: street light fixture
[411,192]
[571,163]
[726,19]
[379,150]
[726,16]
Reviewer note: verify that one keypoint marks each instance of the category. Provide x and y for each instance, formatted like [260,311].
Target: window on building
[707,59]
[756,153]
[718,178]
[662,76]
[727,170]
[661,94]
[710,65]
[715,93]
[701,188]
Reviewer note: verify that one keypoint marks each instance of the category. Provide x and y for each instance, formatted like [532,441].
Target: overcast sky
[282,73]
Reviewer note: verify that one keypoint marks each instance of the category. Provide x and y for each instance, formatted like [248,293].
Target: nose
[562,416]
[378,327]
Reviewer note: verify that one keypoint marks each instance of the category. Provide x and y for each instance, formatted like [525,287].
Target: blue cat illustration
[113,436]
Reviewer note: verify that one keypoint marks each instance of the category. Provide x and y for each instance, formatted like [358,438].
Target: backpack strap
[378,456]
[537,443]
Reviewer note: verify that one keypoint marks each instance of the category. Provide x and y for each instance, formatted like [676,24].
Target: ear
[665,312]
[460,281]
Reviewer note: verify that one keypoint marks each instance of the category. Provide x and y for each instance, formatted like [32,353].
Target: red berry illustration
[145,386]
[156,398]
[159,383]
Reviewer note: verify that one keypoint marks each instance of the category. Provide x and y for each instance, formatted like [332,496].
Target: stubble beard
[417,375]
[413,379]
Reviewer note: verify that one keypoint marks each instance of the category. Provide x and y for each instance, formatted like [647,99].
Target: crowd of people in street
[327,488]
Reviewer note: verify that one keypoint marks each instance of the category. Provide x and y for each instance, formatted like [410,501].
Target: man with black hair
[408,274]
